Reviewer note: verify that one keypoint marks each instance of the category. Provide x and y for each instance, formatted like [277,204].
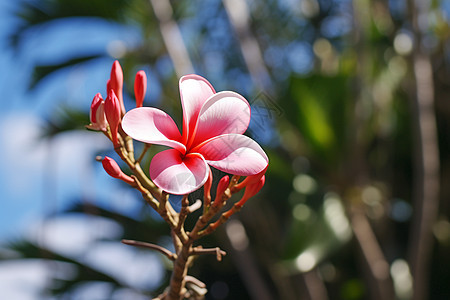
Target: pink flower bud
[97,114]
[221,188]
[112,168]
[249,180]
[112,112]
[108,86]
[207,189]
[251,190]
[140,87]
[116,83]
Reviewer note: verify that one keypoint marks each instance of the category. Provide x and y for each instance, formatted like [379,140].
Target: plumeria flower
[213,124]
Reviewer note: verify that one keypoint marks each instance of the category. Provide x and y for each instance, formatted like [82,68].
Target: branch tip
[167,253]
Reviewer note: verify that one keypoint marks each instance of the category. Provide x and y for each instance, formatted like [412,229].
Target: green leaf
[316,234]
[65,120]
[317,106]
[42,71]
[29,250]
[40,12]
[147,230]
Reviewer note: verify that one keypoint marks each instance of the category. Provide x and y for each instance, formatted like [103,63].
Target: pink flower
[213,124]
[97,114]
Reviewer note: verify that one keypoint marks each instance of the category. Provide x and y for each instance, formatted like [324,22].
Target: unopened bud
[207,189]
[249,180]
[116,83]
[112,112]
[108,86]
[140,87]
[112,168]
[97,114]
[221,188]
[251,190]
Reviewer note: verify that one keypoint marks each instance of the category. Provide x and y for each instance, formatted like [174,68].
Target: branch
[144,151]
[195,281]
[426,160]
[183,213]
[167,253]
[205,218]
[373,256]
[238,14]
[172,38]
[200,250]
[195,289]
[127,142]
[146,194]
[223,218]
[197,204]
[128,158]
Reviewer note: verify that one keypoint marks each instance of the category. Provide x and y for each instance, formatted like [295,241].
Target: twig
[146,194]
[144,151]
[122,152]
[146,182]
[195,281]
[197,204]
[162,209]
[167,253]
[195,288]
[127,142]
[205,218]
[183,213]
[217,251]
[223,218]
[128,158]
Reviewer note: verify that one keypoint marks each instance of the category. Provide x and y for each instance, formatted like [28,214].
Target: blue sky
[40,176]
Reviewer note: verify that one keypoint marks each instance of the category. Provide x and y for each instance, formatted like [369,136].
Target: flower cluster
[212,136]
[212,133]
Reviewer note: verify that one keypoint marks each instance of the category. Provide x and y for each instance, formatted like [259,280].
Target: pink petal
[153,126]
[177,174]
[194,91]
[225,112]
[235,154]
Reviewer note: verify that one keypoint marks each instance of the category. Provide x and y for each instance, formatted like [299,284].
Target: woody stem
[180,268]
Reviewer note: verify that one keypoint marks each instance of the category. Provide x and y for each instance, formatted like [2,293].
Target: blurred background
[349,99]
